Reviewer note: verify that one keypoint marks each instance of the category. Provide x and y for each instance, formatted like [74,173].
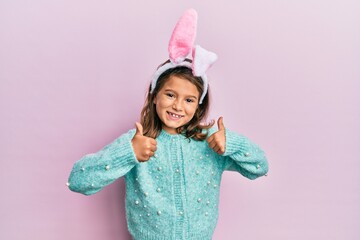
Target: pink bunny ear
[202,60]
[183,36]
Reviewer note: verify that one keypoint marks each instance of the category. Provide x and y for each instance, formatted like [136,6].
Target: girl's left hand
[217,140]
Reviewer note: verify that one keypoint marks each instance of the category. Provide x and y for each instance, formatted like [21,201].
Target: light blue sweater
[175,194]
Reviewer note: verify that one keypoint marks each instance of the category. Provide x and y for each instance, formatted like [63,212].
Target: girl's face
[176,103]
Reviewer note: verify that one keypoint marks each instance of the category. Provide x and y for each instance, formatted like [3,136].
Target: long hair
[151,122]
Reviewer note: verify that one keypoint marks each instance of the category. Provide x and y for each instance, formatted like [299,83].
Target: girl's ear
[154,101]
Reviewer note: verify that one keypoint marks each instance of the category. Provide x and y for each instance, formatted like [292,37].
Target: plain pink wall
[73,76]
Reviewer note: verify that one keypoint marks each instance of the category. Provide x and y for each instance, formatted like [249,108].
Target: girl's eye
[169,94]
[189,100]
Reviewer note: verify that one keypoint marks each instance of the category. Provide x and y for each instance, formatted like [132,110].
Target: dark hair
[151,122]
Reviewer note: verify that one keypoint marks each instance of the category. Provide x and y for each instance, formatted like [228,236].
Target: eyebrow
[171,90]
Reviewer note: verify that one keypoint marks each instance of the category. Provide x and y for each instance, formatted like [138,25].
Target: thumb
[220,124]
[139,129]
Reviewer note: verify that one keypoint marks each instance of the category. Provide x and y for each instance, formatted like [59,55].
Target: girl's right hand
[144,147]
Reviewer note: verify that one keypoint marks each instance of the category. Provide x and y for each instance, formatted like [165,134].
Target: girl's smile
[173,116]
[176,103]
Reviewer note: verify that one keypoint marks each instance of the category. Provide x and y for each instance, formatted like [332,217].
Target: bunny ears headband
[181,44]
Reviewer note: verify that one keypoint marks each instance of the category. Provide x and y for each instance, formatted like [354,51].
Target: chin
[174,126]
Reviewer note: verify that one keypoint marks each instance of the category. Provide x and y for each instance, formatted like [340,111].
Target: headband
[181,44]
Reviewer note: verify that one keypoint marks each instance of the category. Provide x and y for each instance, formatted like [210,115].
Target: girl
[172,163]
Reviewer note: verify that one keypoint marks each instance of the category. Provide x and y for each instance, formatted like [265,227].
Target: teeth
[174,115]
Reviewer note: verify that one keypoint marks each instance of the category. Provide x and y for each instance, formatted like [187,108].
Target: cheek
[164,103]
[161,102]
[191,110]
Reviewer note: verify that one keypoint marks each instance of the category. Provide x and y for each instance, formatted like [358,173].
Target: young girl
[172,162]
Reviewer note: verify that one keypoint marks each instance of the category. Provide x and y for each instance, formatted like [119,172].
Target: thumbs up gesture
[217,140]
[144,147]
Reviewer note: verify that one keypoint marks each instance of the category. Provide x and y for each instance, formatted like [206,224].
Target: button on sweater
[175,194]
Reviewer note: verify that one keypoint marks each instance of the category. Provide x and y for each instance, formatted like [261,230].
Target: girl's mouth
[173,116]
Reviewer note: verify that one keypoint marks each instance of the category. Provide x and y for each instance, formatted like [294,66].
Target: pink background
[73,76]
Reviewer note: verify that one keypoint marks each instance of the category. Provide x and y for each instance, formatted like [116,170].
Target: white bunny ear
[183,36]
[202,60]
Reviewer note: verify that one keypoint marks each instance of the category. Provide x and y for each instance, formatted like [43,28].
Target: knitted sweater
[175,194]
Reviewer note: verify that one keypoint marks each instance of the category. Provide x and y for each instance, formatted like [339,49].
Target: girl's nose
[177,105]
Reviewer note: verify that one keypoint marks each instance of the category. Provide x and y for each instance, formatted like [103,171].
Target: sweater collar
[167,136]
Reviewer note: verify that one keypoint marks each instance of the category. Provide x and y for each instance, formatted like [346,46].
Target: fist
[144,147]
[217,140]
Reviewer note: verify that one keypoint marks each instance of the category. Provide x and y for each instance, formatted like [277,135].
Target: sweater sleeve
[244,156]
[94,171]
